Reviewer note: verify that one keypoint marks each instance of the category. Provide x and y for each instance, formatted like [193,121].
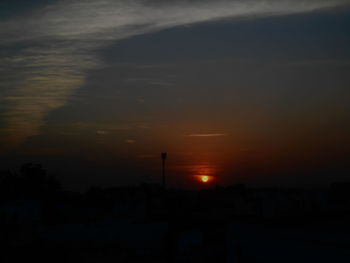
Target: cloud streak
[206,135]
[47,54]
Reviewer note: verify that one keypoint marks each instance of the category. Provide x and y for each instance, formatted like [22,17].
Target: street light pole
[163,156]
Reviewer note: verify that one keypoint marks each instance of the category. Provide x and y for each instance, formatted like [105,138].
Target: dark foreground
[41,222]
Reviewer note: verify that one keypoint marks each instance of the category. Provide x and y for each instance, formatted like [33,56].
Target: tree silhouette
[33,182]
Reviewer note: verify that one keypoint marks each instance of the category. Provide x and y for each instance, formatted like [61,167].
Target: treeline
[32,182]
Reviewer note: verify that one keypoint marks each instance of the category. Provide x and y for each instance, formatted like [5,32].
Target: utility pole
[163,156]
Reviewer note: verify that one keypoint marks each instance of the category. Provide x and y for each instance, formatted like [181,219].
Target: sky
[250,91]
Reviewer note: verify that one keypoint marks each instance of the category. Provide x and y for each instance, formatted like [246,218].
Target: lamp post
[163,156]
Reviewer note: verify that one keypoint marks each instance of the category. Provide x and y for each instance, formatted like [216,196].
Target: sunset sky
[245,91]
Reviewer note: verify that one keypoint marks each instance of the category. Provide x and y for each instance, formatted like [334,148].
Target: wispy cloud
[130,141]
[109,127]
[102,132]
[206,135]
[49,51]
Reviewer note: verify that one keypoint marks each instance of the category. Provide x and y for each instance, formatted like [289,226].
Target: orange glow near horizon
[203,173]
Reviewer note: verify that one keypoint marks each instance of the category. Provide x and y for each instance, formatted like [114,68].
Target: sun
[205,178]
